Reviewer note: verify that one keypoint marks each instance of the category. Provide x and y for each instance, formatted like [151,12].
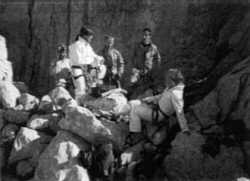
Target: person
[161,107]
[113,61]
[82,56]
[61,69]
[146,55]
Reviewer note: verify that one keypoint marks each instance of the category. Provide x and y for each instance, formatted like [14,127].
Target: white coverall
[81,53]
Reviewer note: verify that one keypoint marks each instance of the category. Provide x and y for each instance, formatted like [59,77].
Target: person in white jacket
[81,56]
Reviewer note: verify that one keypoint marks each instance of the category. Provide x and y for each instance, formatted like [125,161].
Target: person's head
[61,51]
[173,77]
[147,35]
[86,34]
[109,41]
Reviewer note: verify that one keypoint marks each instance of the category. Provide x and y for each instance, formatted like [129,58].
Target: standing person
[61,69]
[82,56]
[113,61]
[146,55]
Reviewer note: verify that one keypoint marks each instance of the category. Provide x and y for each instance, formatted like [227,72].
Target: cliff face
[194,35]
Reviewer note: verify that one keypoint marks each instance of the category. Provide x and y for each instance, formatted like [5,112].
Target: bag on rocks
[8,94]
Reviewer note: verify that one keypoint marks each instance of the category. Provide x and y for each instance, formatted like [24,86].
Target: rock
[29,102]
[28,144]
[186,161]
[24,168]
[59,97]
[16,116]
[82,122]
[60,160]
[9,132]
[46,104]
[8,94]
[40,122]
[21,86]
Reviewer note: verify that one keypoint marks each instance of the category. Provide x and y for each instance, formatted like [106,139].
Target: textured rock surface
[60,160]
[28,144]
[187,161]
[16,116]
[39,122]
[83,122]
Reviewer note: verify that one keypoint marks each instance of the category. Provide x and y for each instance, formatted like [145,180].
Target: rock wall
[195,35]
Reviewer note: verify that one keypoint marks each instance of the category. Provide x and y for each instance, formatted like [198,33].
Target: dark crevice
[69,21]
[30,23]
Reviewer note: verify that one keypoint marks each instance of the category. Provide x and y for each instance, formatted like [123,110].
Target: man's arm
[157,56]
[121,61]
[178,106]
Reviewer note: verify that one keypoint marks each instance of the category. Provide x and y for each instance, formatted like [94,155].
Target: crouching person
[158,108]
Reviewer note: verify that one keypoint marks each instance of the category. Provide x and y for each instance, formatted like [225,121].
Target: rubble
[60,160]
[28,144]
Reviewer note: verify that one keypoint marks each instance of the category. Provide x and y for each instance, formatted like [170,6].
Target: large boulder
[83,122]
[16,116]
[187,161]
[60,160]
[28,144]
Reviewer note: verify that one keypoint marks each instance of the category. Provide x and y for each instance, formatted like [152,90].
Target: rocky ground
[40,143]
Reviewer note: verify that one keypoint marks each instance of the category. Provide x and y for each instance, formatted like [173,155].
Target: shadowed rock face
[194,35]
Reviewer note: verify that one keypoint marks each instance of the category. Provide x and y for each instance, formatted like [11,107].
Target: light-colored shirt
[6,71]
[81,53]
[171,101]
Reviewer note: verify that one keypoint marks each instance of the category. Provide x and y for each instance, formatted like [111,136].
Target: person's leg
[138,113]
[80,89]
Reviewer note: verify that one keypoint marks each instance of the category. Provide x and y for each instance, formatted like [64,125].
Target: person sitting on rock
[114,62]
[160,107]
[61,69]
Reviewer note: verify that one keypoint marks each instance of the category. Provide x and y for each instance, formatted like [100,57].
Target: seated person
[160,107]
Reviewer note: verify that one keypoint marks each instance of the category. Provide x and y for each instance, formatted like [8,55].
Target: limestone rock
[59,97]
[16,116]
[28,144]
[60,160]
[40,122]
[8,94]
[83,122]
[28,101]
